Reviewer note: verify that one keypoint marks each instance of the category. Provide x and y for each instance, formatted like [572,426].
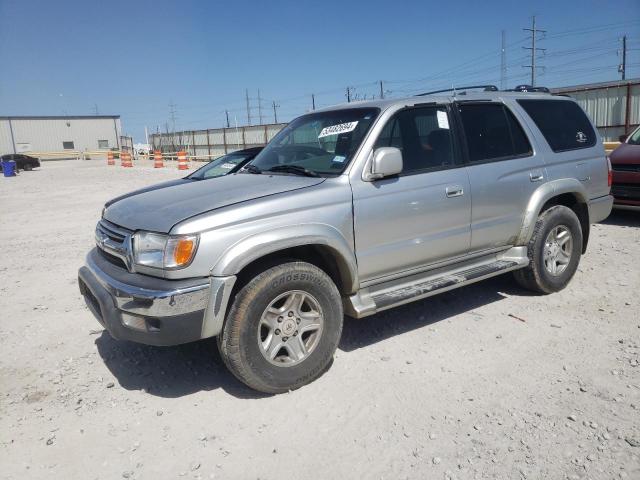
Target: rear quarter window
[563,123]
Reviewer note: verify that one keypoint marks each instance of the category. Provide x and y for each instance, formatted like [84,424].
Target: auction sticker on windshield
[338,129]
[227,166]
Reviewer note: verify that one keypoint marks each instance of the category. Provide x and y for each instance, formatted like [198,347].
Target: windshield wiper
[251,169]
[296,169]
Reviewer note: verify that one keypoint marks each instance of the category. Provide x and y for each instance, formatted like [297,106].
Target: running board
[376,298]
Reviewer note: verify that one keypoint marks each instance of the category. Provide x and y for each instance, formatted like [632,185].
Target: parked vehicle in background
[230,163]
[625,162]
[353,209]
[23,162]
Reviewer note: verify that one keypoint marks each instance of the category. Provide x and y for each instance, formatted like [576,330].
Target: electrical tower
[259,107]
[275,112]
[246,94]
[534,50]
[172,114]
[503,62]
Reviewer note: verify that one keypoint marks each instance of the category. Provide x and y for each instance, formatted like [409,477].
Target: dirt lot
[482,382]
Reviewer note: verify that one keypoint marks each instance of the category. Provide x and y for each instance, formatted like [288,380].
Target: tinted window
[424,137]
[67,145]
[492,132]
[563,123]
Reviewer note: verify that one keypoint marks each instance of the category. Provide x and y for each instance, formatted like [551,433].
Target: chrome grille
[115,233]
[115,242]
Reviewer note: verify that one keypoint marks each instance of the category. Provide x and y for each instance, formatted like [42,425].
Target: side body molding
[541,196]
[256,246]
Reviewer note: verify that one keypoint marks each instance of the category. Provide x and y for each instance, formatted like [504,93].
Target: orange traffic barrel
[182,160]
[110,160]
[126,159]
[157,159]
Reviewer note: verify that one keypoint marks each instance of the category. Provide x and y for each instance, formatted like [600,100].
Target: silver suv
[351,210]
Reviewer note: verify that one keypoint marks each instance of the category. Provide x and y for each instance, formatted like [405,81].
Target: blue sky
[133,58]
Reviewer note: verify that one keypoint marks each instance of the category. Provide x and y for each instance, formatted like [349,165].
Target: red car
[625,162]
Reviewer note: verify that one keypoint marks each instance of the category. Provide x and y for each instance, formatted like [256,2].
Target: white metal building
[59,134]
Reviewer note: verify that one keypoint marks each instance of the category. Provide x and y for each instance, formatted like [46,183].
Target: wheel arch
[568,192]
[318,244]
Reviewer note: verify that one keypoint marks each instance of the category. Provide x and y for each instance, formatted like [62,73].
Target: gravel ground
[483,382]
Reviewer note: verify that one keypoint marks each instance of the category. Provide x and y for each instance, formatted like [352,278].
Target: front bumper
[152,310]
[600,208]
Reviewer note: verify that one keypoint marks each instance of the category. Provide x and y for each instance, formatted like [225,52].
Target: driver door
[423,215]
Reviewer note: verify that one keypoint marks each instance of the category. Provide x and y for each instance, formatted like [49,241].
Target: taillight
[609,172]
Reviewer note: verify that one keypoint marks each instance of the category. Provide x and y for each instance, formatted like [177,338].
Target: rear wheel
[554,251]
[28,167]
[283,328]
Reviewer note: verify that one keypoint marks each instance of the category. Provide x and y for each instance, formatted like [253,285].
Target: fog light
[134,322]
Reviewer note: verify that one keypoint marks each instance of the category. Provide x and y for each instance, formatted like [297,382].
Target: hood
[625,154]
[158,210]
[157,186]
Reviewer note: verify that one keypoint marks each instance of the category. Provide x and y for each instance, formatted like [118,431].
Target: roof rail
[486,88]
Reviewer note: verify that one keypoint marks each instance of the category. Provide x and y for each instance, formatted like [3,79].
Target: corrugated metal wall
[215,142]
[48,134]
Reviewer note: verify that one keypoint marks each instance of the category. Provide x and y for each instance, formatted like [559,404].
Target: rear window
[563,123]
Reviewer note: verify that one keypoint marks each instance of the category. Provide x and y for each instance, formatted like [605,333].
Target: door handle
[454,191]
[536,176]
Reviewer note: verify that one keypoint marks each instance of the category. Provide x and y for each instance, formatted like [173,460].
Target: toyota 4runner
[351,210]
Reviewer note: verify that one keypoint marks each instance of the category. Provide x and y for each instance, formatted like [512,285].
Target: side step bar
[371,300]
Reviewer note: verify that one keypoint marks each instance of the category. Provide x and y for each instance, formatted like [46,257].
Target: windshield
[220,166]
[634,138]
[320,143]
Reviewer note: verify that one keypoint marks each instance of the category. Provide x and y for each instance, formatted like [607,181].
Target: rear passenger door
[504,171]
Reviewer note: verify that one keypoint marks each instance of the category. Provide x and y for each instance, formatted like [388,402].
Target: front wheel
[283,328]
[554,251]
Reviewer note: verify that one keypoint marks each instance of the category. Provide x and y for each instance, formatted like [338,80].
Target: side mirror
[387,161]
[622,138]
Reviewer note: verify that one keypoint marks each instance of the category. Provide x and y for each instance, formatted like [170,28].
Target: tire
[252,333]
[552,224]
[28,167]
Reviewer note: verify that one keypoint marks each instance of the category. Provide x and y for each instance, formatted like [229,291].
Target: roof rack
[485,88]
[529,88]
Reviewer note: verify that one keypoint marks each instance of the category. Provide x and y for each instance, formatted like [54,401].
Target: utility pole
[226,112]
[534,31]
[95,108]
[503,62]
[622,68]
[381,90]
[172,113]
[259,107]
[313,102]
[348,94]
[246,93]
[275,112]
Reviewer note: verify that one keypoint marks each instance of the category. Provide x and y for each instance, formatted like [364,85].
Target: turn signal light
[609,172]
[184,251]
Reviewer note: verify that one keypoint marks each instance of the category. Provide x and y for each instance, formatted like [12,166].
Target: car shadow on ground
[172,372]
[623,218]
[360,333]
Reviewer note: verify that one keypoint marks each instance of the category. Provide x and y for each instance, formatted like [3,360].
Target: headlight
[163,251]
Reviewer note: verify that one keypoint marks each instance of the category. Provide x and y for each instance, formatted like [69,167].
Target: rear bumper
[151,310]
[600,208]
